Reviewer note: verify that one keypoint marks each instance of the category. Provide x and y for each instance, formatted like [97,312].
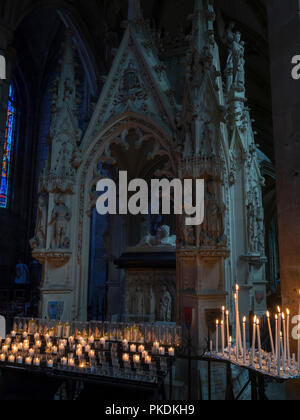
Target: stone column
[284,36]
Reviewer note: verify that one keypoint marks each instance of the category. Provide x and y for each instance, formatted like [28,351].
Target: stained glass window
[8,148]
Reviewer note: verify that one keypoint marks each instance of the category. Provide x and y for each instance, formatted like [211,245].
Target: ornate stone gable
[137,82]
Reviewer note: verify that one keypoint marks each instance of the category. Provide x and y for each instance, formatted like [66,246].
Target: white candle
[133,348]
[141,349]
[244,340]
[276,336]
[126,358]
[92,354]
[162,351]
[223,336]
[284,341]
[271,334]
[240,345]
[3,357]
[64,361]
[71,362]
[148,360]
[227,328]
[50,364]
[288,337]
[19,360]
[37,362]
[171,352]
[279,342]
[28,361]
[259,343]
[217,336]
[254,340]
[11,358]
[236,323]
[136,359]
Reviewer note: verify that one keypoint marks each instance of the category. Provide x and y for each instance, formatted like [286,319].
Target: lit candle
[15,349]
[28,361]
[288,337]
[141,349]
[156,346]
[64,361]
[254,340]
[279,342]
[5,349]
[223,314]
[50,363]
[162,351]
[238,324]
[284,340]
[148,360]
[223,337]
[271,334]
[126,358]
[171,352]
[11,358]
[244,340]
[37,362]
[92,354]
[79,352]
[125,345]
[217,336]
[227,328]
[71,362]
[133,348]
[136,359]
[31,352]
[3,357]
[92,339]
[259,343]
[54,349]
[276,336]
[13,334]
[19,360]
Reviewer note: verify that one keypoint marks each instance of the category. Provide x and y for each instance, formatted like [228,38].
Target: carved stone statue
[235,66]
[39,240]
[165,312]
[60,219]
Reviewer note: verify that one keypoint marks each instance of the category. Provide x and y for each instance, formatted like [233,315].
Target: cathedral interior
[171,89]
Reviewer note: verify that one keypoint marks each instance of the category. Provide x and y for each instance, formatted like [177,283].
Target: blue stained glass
[8,147]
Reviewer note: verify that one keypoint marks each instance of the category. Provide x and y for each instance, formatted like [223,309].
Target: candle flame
[223,308]
[244,320]
[237,287]
[235,296]
[222,322]
[276,317]
[254,320]
[283,316]
[268,314]
[227,313]
[278,309]
[257,322]
[288,312]
[217,322]
[281,334]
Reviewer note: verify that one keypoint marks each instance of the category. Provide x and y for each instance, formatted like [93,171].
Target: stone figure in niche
[60,218]
[235,66]
[39,240]
[165,306]
[212,230]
